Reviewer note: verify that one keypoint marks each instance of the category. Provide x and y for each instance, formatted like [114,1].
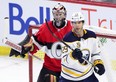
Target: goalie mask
[59,15]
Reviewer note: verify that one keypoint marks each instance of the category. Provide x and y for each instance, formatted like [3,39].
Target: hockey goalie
[60,26]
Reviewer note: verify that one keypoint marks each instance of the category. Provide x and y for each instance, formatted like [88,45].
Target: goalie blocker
[26,45]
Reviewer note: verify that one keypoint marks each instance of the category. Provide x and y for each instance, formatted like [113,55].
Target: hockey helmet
[59,8]
[59,15]
[77,16]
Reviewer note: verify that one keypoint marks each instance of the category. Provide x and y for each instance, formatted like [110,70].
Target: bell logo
[17,17]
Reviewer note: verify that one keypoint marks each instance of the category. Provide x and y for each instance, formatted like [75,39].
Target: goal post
[107,39]
[30,59]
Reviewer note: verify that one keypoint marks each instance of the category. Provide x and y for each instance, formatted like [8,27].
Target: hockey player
[79,65]
[51,69]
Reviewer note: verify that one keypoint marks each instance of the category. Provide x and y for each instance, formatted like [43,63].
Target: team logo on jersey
[86,54]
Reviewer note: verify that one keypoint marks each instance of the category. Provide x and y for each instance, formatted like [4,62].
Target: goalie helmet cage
[100,32]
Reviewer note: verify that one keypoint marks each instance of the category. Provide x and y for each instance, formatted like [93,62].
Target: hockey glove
[24,49]
[77,54]
[99,68]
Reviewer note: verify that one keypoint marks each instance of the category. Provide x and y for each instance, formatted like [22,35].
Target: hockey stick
[16,47]
[57,36]
[67,44]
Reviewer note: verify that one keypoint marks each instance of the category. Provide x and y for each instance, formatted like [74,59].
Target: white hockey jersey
[72,69]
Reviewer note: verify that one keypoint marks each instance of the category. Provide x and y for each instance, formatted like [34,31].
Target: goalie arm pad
[36,46]
[34,49]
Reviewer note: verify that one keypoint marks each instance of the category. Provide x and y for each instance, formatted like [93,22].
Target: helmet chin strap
[59,24]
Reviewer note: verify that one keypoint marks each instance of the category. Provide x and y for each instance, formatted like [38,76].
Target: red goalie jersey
[44,38]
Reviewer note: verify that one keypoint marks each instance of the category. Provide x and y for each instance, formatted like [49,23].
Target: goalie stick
[16,47]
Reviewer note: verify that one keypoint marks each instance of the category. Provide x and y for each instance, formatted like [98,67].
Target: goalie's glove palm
[77,54]
[24,49]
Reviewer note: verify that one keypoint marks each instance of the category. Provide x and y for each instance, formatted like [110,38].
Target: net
[107,41]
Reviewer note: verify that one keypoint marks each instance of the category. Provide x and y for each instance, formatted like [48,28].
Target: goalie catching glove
[100,67]
[26,45]
[77,54]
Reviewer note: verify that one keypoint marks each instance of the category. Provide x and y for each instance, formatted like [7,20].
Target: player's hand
[77,54]
[99,69]
[26,45]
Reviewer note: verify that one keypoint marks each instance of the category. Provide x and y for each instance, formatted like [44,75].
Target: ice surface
[16,70]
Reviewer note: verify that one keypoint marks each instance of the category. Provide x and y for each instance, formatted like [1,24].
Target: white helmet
[77,16]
